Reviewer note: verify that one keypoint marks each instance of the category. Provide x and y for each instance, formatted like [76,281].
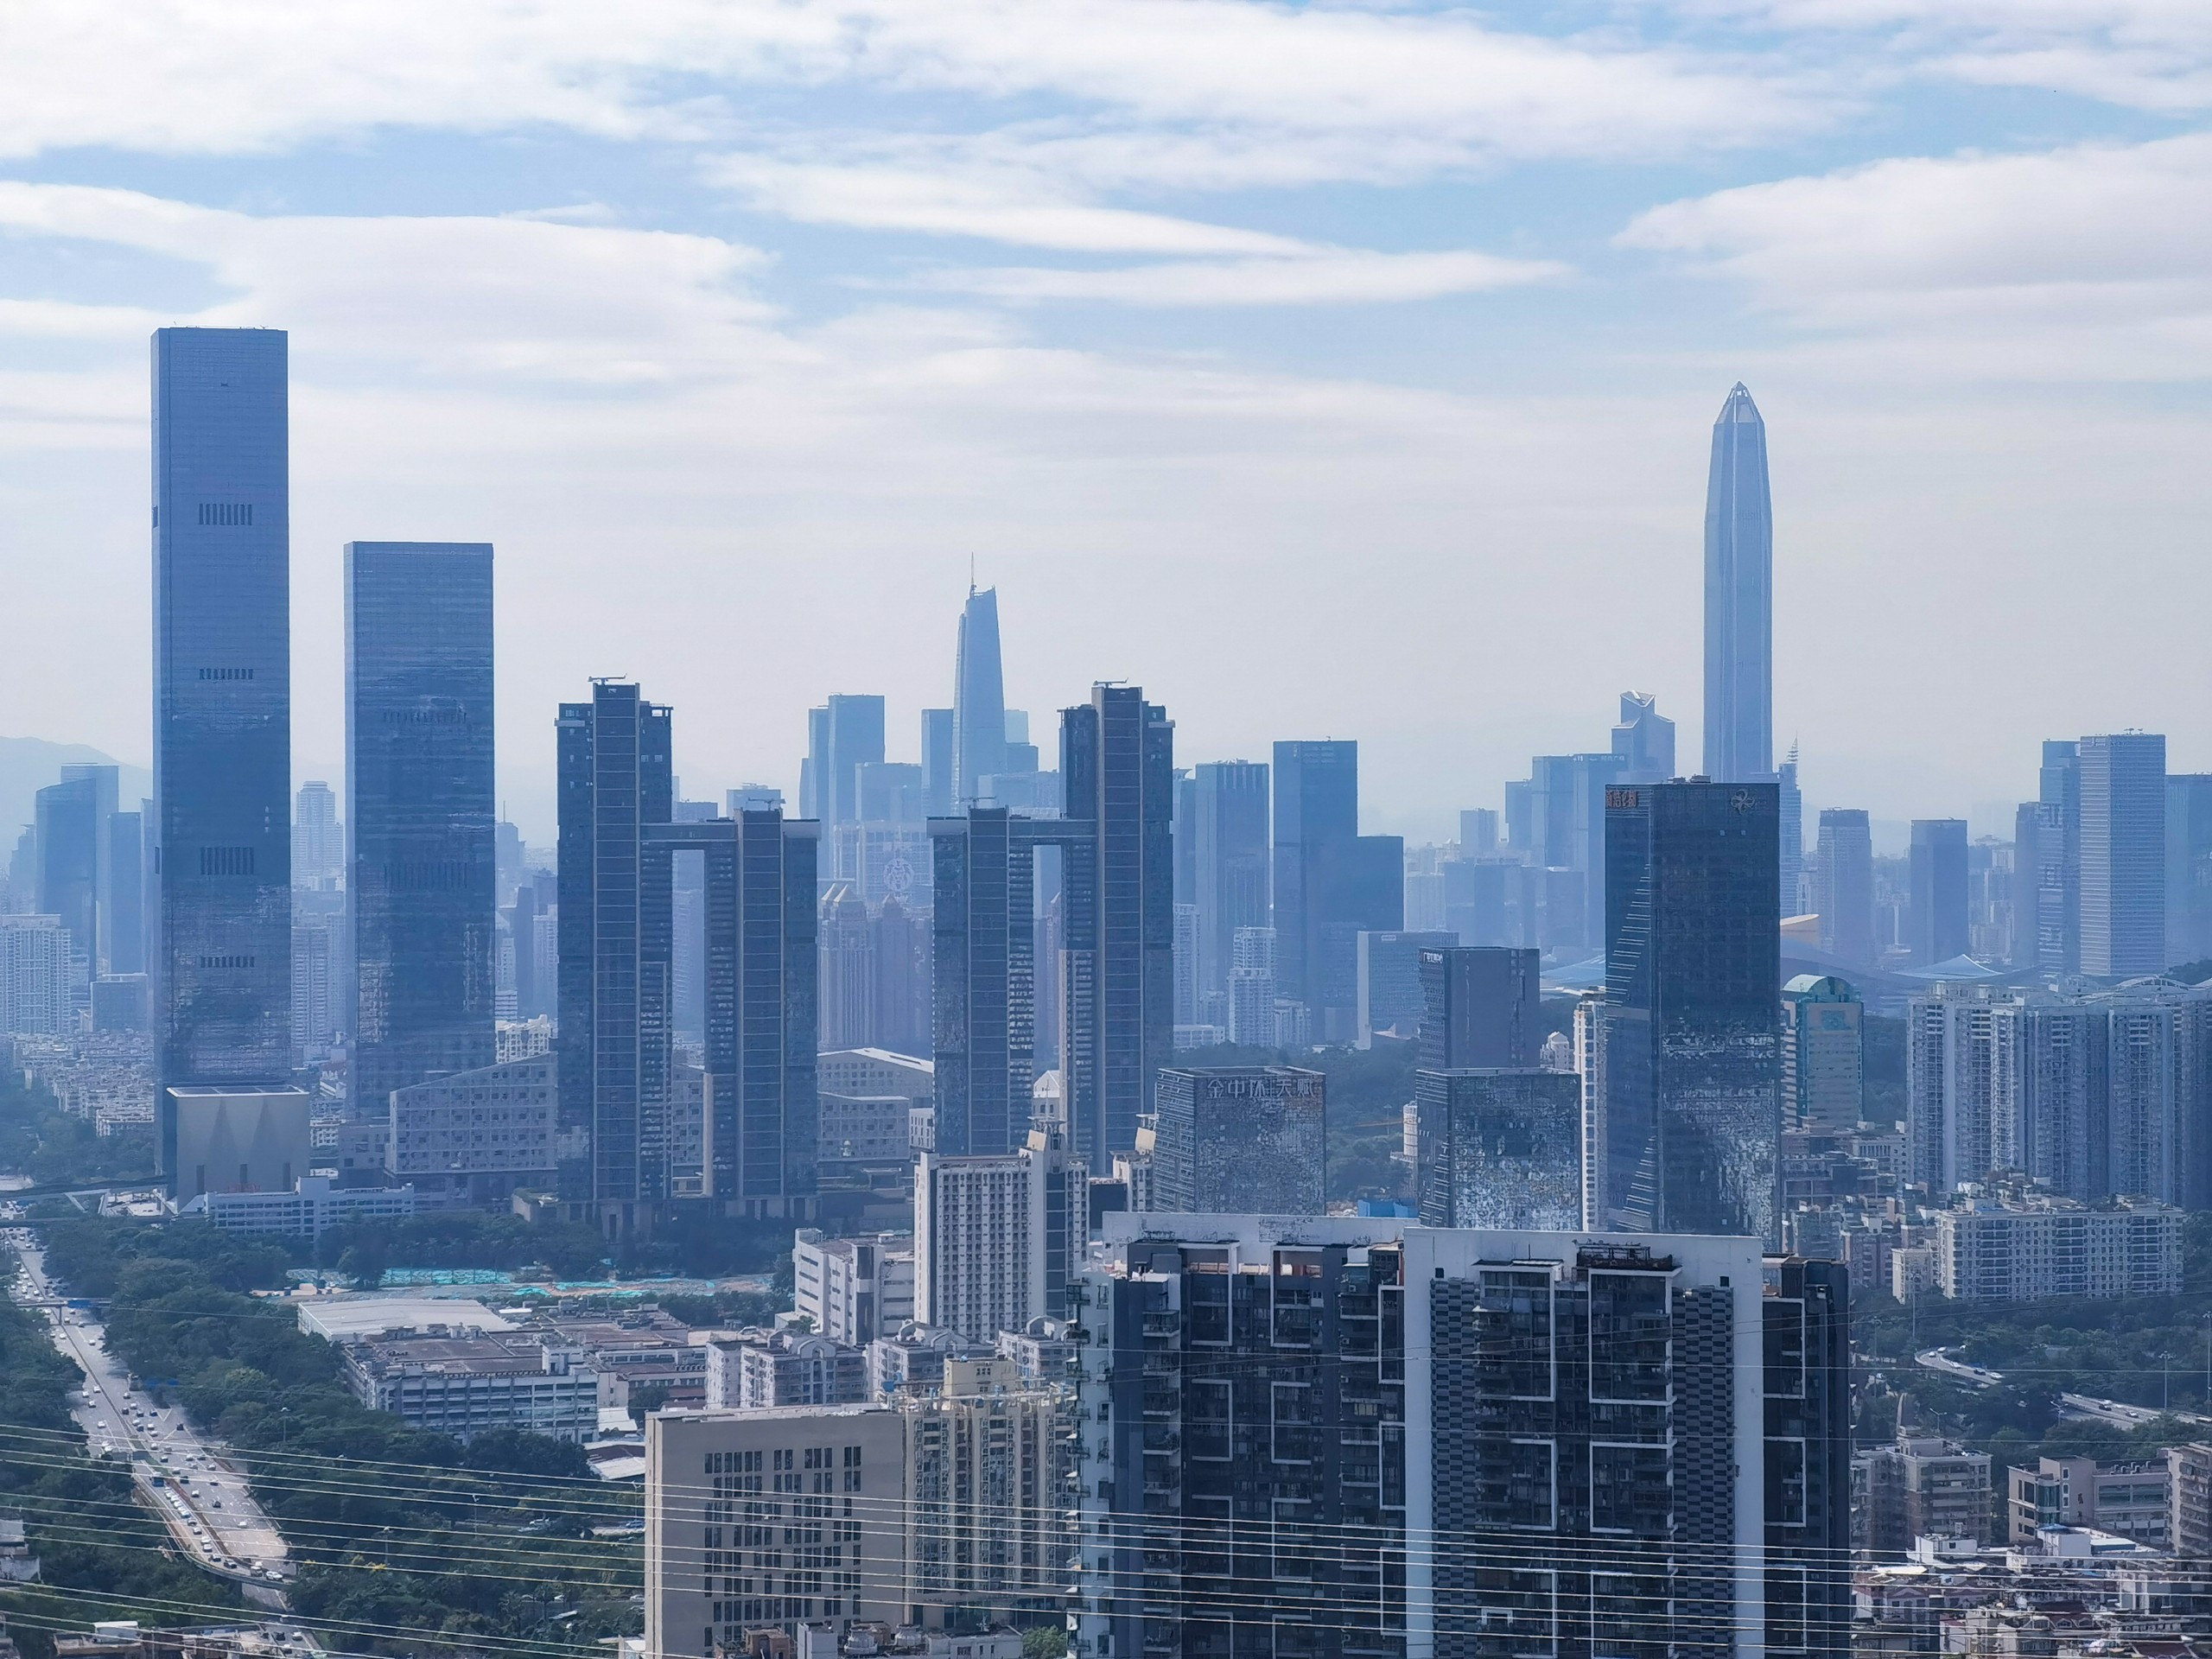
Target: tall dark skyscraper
[978,699]
[615,779]
[421,811]
[1692,1021]
[990,983]
[1938,870]
[617,1064]
[1117,759]
[1230,864]
[1317,810]
[1480,1007]
[123,918]
[985,957]
[1331,882]
[222,707]
[2123,883]
[1738,598]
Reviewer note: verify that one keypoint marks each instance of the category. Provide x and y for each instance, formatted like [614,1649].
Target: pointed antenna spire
[971,574]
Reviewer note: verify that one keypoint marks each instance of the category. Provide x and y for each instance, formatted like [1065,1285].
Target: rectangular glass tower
[420,813]
[222,707]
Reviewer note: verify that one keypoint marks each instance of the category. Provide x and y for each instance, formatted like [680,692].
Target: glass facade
[1230,864]
[620,1089]
[1738,598]
[69,817]
[1117,759]
[1479,1007]
[1250,1138]
[1316,806]
[422,807]
[222,706]
[985,990]
[1692,1009]
[978,700]
[1499,1148]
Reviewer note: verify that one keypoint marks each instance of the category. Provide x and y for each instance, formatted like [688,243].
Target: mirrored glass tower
[1738,598]
[222,707]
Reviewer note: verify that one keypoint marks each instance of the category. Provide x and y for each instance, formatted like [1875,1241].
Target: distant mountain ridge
[29,764]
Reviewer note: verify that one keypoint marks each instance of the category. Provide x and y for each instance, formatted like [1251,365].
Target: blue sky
[1337,370]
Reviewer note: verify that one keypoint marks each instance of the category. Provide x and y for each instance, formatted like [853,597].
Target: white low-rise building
[2054,1246]
[314,1204]
[466,1385]
[853,1289]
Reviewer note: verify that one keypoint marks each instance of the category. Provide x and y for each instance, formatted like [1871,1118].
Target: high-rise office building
[1843,886]
[2123,843]
[1692,1008]
[1644,743]
[1117,761]
[1316,813]
[318,840]
[2189,867]
[1479,1007]
[978,699]
[1245,1137]
[619,1084]
[1478,830]
[69,827]
[936,762]
[814,769]
[985,956]
[420,807]
[123,887]
[1499,1148]
[1329,882]
[1392,995]
[1470,1443]
[2056,874]
[1738,598]
[1823,1057]
[855,740]
[222,709]
[1938,870]
[1229,855]
[1791,837]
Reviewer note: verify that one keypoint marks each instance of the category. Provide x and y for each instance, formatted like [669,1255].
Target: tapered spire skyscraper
[1738,598]
[978,698]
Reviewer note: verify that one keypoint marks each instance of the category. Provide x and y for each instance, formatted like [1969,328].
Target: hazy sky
[1329,369]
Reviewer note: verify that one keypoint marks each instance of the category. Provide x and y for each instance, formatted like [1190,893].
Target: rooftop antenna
[971,574]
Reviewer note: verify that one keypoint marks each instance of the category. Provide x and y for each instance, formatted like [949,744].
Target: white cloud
[509,298]
[2146,54]
[1323,277]
[236,76]
[999,204]
[2091,261]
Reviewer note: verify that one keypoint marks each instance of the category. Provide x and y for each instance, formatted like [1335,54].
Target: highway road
[188,1479]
